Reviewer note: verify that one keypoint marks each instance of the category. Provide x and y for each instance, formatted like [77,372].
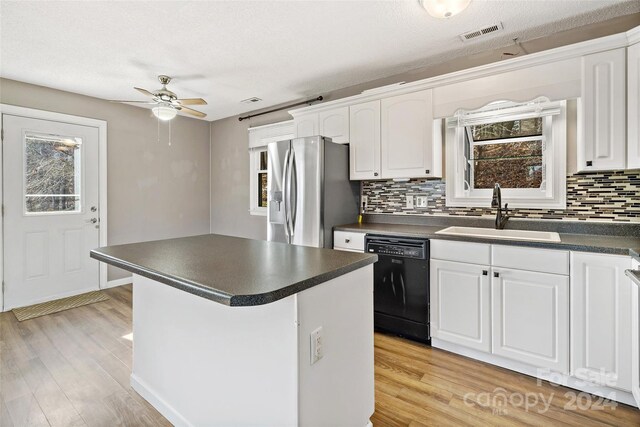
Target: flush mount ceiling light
[444,9]
[164,112]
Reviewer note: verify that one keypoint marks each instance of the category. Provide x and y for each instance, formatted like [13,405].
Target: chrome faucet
[496,202]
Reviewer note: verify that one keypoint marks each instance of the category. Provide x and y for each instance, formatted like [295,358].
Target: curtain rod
[308,101]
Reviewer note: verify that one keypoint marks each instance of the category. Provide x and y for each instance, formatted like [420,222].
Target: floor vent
[489,29]
[251,100]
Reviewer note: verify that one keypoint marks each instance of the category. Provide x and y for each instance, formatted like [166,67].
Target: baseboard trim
[157,402]
[523,368]
[119,282]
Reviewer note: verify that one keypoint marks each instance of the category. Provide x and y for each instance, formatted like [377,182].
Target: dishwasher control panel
[393,246]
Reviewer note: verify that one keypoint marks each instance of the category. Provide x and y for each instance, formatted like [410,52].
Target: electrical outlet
[409,202]
[421,201]
[316,345]
[363,202]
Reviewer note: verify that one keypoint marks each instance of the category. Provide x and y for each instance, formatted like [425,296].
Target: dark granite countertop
[232,270]
[621,245]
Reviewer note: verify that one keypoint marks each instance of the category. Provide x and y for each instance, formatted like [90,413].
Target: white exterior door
[531,317]
[601,319]
[50,176]
[461,304]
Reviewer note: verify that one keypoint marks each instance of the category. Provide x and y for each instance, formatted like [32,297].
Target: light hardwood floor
[72,369]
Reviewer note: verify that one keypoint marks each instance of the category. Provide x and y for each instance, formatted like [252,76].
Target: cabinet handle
[375,174]
[426,171]
[589,163]
[496,274]
[485,272]
[347,240]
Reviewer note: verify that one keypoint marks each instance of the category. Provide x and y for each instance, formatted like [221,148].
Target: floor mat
[50,307]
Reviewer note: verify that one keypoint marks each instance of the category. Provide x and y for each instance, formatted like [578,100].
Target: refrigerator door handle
[293,195]
[285,198]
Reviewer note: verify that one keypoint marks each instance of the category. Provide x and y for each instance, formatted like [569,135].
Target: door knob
[93,208]
[92,220]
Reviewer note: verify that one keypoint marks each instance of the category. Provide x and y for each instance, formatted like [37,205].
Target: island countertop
[231,270]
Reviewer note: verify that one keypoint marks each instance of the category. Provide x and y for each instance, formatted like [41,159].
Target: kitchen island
[231,331]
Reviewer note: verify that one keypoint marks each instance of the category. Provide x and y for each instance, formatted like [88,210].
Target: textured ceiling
[276,50]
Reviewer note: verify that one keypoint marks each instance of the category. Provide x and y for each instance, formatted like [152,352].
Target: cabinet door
[601,319]
[461,304]
[306,125]
[601,141]
[364,141]
[530,317]
[407,135]
[633,106]
[635,337]
[335,124]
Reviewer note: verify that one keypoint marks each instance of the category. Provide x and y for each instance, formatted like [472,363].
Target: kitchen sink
[490,233]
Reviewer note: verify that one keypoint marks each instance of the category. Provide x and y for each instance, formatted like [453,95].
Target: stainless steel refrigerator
[309,191]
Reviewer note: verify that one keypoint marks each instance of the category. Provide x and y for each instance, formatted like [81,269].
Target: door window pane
[52,173]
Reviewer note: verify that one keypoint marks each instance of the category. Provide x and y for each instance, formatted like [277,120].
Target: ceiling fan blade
[133,102]
[192,112]
[144,92]
[192,101]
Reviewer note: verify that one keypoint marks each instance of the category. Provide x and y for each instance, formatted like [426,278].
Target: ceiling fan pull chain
[158,120]
[169,134]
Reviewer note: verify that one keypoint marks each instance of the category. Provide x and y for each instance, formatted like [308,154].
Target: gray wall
[229,137]
[155,191]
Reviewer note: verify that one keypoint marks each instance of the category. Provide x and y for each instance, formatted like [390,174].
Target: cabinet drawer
[474,253]
[530,259]
[347,240]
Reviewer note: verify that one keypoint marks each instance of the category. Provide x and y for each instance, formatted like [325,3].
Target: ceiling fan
[167,103]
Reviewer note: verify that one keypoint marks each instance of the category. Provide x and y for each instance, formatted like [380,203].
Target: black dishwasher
[401,285]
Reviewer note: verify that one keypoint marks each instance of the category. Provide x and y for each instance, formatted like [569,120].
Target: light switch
[409,202]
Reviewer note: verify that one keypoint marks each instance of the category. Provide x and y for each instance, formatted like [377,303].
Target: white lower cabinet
[461,304]
[635,337]
[530,317]
[601,319]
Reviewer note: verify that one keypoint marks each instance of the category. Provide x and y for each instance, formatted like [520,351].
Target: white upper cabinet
[306,125]
[633,106]
[602,134]
[335,124]
[531,317]
[601,319]
[364,141]
[407,136]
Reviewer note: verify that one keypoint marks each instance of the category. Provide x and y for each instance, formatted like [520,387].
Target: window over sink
[520,146]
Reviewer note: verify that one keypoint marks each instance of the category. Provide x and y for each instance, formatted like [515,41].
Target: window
[52,174]
[259,138]
[519,146]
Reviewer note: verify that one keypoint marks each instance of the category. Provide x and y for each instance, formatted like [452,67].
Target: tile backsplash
[603,196]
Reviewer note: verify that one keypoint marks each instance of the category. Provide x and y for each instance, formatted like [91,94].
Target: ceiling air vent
[489,29]
[251,100]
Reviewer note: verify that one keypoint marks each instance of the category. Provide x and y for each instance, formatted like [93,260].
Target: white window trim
[552,197]
[259,138]
[254,209]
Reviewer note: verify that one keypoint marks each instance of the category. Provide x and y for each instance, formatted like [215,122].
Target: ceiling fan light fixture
[444,9]
[164,112]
